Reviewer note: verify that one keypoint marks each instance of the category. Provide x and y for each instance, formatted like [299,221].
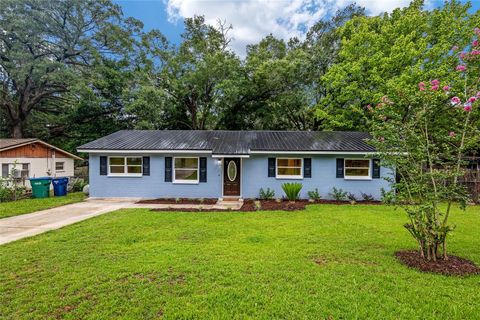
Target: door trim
[222,177]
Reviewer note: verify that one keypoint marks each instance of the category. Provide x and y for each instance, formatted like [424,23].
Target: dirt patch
[178,201]
[454,266]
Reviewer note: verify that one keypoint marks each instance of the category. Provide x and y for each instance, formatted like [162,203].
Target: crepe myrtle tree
[425,135]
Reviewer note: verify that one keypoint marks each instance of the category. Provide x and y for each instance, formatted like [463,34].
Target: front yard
[325,262]
[14,208]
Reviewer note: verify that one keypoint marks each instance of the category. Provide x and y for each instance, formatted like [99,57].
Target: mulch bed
[179,201]
[454,266]
[248,204]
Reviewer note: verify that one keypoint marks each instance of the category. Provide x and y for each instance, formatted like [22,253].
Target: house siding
[254,176]
[154,185]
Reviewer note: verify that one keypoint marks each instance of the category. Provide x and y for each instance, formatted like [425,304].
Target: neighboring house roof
[221,142]
[8,144]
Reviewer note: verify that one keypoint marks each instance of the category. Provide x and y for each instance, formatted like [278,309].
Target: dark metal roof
[232,142]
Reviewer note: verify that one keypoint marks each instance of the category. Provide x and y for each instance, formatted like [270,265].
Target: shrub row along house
[220,164]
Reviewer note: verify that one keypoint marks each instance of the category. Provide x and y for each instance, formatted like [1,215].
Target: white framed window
[16,170]
[60,166]
[185,170]
[289,168]
[359,169]
[125,166]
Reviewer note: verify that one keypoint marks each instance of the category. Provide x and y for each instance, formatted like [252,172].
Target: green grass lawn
[14,208]
[137,264]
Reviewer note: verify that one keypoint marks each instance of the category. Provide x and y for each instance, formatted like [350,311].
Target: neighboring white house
[33,158]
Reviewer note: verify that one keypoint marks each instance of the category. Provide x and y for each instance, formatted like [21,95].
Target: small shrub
[201,200]
[387,197]
[258,205]
[314,195]
[367,197]
[266,194]
[177,200]
[338,194]
[78,185]
[292,190]
[351,197]
[278,200]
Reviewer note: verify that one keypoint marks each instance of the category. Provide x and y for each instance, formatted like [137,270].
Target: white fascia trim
[314,152]
[230,156]
[144,151]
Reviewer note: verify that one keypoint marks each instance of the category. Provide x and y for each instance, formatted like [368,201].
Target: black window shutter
[307,167]
[376,168]
[203,169]
[340,168]
[103,166]
[168,169]
[271,167]
[146,166]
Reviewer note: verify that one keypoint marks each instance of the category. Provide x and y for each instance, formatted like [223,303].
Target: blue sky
[251,19]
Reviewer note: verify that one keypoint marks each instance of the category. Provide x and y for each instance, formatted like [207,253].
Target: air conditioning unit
[17,174]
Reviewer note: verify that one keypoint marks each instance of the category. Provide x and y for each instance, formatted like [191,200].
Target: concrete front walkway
[30,224]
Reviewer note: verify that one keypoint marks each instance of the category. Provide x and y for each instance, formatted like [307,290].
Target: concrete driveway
[27,225]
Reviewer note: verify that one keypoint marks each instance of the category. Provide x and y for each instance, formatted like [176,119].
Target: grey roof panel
[233,142]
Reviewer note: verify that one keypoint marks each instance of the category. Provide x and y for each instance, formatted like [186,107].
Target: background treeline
[72,71]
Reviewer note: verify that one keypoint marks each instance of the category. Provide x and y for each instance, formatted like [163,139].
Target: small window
[185,170]
[59,166]
[125,166]
[289,168]
[357,168]
[16,170]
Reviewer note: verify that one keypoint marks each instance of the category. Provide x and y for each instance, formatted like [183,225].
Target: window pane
[58,165]
[134,161]
[289,171]
[186,163]
[356,172]
[117,169]
[134,169]
[117,161]
[357,163]
[289,162]
[186,174]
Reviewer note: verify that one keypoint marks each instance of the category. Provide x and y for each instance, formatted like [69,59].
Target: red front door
[231,176]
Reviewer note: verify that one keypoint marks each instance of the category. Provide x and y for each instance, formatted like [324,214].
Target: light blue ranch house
[231,164]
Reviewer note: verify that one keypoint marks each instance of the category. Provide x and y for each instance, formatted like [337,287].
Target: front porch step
[229,204]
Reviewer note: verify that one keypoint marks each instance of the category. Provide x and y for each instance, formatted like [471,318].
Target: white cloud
[254,19]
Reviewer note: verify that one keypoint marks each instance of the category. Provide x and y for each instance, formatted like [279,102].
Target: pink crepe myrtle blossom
[475,52]
[467,107]
[478,94]
[370,108]
[435,82]
[454,48]
[475,43]
[455,100]
[472,99]
[446,88]
[477,31]
[434,88]
[462,55]
[451,134]
[421,86]
[461,68]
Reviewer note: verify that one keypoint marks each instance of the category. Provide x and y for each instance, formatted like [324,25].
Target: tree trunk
[17,130]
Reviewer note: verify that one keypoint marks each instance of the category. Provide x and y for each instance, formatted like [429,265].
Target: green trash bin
[40,187]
